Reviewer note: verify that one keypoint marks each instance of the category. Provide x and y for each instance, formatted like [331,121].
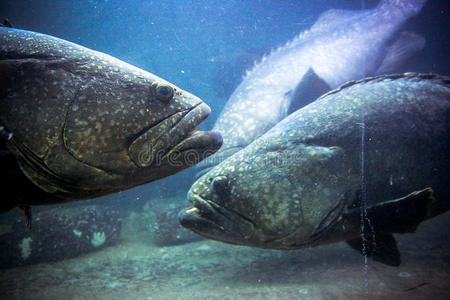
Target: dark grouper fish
[299,184]
[341,46]
[77,123]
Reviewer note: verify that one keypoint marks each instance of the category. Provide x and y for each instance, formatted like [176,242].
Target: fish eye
[162,91]
[220,185]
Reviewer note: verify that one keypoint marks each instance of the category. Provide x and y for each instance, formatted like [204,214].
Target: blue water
[186,42]
[202,46]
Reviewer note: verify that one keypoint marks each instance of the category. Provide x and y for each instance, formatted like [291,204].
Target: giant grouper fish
[342,45]
[379,146]
[77,123]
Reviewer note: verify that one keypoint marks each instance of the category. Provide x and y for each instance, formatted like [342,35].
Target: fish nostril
[220,185]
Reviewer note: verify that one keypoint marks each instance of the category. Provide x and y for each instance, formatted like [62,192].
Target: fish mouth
[216,222]
[171,138]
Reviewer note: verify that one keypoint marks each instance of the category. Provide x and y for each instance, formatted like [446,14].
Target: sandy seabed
[136,269]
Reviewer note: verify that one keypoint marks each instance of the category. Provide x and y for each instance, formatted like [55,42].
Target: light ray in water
[363,208]
[367,234]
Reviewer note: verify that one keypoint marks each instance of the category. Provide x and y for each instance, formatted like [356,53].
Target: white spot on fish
[404,275]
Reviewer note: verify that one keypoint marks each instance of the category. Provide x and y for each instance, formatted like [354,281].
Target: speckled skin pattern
[342,45]
[298,177]
[85,124]
[59,233]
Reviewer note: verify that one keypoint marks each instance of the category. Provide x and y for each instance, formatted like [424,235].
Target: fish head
[86,124]
[136,128]
[242,201]
[268,199]
[213,214]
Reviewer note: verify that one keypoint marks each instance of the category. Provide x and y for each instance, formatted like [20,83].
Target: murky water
[132,246]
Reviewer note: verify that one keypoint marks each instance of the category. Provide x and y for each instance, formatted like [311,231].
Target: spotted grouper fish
[379,145]
[77,123]
[342,45]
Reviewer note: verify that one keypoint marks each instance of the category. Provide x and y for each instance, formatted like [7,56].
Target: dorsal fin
[332,18]
[309,89]
[408,7]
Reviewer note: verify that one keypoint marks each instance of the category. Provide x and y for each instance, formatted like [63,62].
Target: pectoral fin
[394,216]
[380,247]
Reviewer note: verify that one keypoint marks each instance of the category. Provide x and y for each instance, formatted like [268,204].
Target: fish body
[77,123]
[369,144]
[342,45]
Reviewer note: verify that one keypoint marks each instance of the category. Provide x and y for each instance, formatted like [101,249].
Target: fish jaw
[178,148]
[213,221]
[175,133]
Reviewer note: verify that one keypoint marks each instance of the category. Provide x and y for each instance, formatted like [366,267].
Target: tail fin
[409,7]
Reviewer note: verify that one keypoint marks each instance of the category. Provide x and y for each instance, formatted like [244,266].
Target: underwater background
[204,47]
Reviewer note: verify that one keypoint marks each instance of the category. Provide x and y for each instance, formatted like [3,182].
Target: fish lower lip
[197,220]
